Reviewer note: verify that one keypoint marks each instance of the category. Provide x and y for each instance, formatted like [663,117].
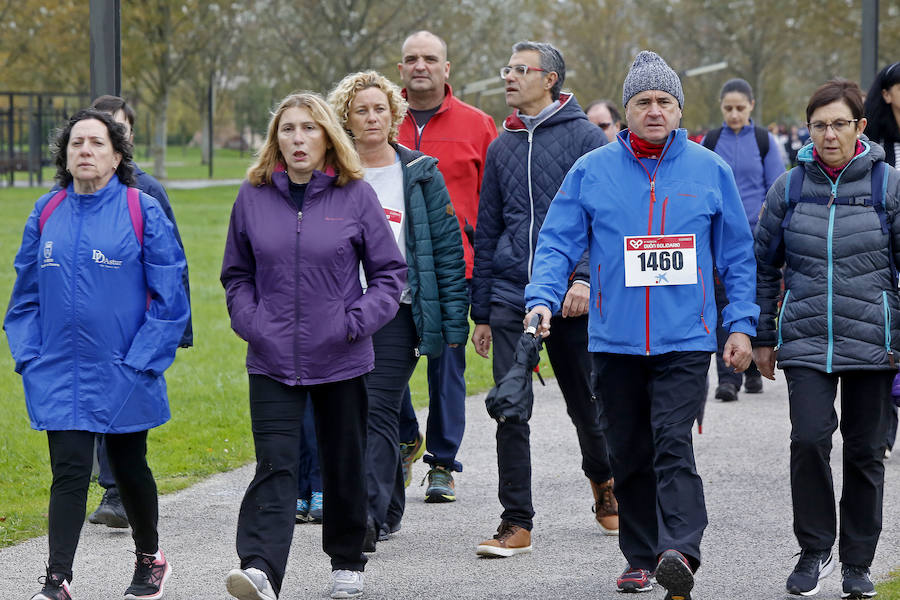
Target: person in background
[605,115]
[310,505]
[433,305]
[882,108]
[457,134]
[110,511]
[96,313]
[830,228]
[752,153]
[301,226]
[546,133]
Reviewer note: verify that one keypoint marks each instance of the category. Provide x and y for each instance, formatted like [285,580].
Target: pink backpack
[134,211]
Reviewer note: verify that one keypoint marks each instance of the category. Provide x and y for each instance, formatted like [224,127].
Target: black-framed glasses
[520,70]
[837,126]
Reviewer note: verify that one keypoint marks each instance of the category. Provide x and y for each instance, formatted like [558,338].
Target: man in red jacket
[458,135]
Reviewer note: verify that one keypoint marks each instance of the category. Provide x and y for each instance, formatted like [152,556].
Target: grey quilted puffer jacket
[841,309]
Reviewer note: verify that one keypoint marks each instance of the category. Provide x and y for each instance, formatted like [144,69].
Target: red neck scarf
[834,172]
[644,149]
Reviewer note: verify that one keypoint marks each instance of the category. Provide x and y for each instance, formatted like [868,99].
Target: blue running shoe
[302,510]
[315,508]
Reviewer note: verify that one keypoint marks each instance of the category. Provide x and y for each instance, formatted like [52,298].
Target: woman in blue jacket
[96,314]
[752,153]
[302,226]
[433,304]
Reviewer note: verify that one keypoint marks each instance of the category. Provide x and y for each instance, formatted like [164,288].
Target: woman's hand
[764,357]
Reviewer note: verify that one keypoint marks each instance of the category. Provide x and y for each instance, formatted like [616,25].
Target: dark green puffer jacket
[434,252]
[841,309]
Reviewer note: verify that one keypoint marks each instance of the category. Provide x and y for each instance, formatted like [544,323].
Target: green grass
[890,589]
[210,427]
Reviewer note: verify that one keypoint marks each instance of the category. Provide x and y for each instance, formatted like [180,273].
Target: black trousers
[266,521]
[71,461]
[651,403]
[726,373]
[865,414]
[386,384]
[567,351]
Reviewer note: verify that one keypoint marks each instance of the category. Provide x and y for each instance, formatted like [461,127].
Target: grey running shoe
[249,584]
[347,584]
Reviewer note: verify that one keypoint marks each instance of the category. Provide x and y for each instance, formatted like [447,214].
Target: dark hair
[551,61]
[613,111]
[120,144]
[837,90]
[883,126]
[737,85]
[112,105]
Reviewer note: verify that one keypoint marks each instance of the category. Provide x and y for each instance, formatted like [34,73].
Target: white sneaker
[249,584]
[347,584]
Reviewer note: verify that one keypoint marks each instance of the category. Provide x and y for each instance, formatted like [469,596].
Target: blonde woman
[301,226]
[433,306]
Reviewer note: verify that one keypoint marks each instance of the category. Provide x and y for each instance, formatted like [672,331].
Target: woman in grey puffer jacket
[839,321]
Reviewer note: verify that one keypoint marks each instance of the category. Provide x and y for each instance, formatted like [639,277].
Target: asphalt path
[748,548]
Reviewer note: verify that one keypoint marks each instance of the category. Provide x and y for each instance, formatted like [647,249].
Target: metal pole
[106,48]
[869,67]
[209,110]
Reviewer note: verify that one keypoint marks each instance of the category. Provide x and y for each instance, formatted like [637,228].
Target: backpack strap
[762,142]
[793,184]
[134,211]
[48,209]
[712,138]
[879,189]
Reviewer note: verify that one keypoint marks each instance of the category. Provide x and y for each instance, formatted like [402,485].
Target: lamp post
[106,48]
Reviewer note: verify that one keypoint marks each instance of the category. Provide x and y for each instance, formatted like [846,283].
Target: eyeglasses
[837,126]
[604,126]
[520,70]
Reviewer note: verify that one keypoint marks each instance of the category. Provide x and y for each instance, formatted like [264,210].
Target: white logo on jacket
[109,263]
[48,255]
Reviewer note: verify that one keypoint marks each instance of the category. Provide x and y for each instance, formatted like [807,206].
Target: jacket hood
[568,110]
[859,165]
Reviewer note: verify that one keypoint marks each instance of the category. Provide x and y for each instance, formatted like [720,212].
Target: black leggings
[71,460]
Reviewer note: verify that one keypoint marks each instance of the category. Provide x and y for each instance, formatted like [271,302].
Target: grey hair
[551,60]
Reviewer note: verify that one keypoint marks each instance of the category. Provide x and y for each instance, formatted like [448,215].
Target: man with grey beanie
[656,213]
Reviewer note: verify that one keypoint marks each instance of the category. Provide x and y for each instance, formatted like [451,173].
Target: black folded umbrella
[510,401]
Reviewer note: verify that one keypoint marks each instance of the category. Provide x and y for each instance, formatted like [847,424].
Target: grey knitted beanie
[650,72]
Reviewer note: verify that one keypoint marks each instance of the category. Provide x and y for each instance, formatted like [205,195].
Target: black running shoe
[855,582]
[753,383]
[110,512]
[150,576]
[55,587]
[813,566]
[673,572]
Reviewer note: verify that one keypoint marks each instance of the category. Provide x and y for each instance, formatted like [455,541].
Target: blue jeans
[309,478]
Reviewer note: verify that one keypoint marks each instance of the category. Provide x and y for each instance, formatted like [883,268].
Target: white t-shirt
[388,185]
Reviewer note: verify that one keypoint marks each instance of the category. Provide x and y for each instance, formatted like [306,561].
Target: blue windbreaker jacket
[95,317]
[609,194]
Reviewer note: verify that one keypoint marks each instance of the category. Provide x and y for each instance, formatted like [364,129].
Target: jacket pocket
[703,299]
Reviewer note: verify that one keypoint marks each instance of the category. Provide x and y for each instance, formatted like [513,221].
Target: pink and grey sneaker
[150,576]
[55,587]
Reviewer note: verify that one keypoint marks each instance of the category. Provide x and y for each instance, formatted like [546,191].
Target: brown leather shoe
[510,540]
[606,509]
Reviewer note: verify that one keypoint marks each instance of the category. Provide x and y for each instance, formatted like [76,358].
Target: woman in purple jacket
[301,225]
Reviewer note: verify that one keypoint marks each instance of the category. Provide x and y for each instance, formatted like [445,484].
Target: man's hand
[543,329]
[764,357]
[576,302]
[738,351]
[481,339]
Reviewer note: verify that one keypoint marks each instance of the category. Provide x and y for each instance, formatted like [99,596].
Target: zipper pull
[299,218]
[891,358]
[830,200]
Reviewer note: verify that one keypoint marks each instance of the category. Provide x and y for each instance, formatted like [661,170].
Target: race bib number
[653,260]
[395,218]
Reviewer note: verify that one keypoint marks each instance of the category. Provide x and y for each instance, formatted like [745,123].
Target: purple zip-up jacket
[292,279]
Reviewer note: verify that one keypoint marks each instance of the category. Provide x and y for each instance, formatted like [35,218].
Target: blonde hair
[340,155]
[345,91]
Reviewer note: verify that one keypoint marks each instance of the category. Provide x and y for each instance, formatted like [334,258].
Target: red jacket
[458,135]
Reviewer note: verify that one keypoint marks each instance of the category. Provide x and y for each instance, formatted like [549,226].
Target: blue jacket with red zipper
[610,194]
